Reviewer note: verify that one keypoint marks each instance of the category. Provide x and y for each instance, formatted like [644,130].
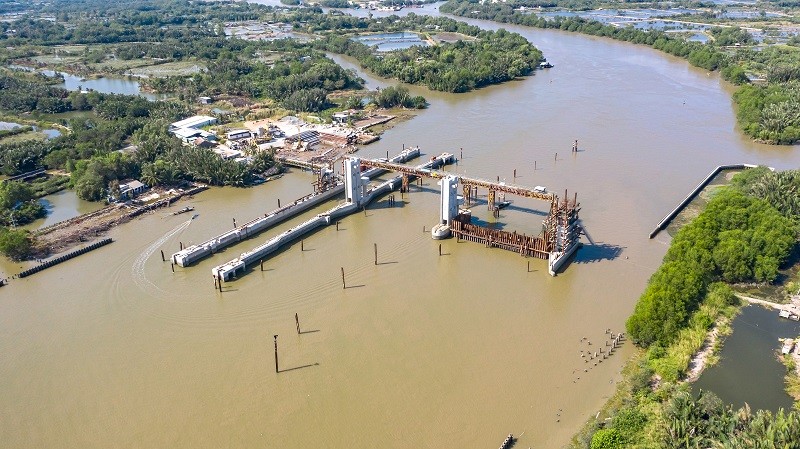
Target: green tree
[606,439]
[13,193]
[16,244]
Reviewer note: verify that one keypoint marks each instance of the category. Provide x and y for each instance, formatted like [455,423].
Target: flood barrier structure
[674,212]
[193,253]
[358,195]
[559,239]
[64,257]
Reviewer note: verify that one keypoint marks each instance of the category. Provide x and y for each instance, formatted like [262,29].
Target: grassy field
[117,65]
[24,137]
[178,68]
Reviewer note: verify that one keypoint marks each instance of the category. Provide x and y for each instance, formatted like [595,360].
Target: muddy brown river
[114,350]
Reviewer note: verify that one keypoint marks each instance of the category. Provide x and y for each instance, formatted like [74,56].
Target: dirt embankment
[66,234]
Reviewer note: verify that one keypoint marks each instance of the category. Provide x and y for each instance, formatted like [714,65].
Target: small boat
[545,65]
[184,210]
[440,231]
[502,204]
[195,216]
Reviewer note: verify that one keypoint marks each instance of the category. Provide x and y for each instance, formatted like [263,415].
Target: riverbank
[65,235]
[792,363]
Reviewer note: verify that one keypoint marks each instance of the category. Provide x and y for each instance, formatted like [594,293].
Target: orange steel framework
[559,231]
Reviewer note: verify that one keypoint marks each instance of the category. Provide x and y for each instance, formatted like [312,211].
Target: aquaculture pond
[749,370]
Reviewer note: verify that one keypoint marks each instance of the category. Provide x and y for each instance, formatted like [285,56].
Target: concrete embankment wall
[64,257]
[674,212]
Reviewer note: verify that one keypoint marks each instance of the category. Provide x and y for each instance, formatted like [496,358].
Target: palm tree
[149,175]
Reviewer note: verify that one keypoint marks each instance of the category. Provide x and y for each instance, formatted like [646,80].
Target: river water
[113,349]
[106,84]
[750,353]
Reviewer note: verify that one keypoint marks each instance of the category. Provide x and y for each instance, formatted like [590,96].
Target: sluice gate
[326,188]
[357,195]
[560,236]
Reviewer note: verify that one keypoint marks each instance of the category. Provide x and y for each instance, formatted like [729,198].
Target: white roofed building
[197,121]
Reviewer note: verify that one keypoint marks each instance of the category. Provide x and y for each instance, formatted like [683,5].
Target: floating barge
[191,254]
[184,210]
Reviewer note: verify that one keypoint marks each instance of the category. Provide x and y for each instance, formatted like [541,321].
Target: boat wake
[138,268]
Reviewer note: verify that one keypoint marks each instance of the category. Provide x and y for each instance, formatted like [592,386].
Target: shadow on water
[385,204]
[597,252]
[298,367]
[527,210]
[487,224]
[48,206]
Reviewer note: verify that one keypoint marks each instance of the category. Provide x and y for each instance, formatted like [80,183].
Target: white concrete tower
[352,181]
[448,206]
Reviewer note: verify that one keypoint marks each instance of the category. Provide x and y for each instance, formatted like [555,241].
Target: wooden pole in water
[515,174]
[279,203]
[344,284]
[276,354]
[529,266]
[234,223]
[440,249]
[180,245]
[376,253]
[302,245]
[262,264]
[461,154]
[297,321]
[534,165]
[556,157]
[173,266]
[162,256]
[219,283]
[337,225]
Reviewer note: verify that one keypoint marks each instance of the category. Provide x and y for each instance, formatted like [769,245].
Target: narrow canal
[458,350]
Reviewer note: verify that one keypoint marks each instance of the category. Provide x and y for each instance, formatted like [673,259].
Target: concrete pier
[193,253]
